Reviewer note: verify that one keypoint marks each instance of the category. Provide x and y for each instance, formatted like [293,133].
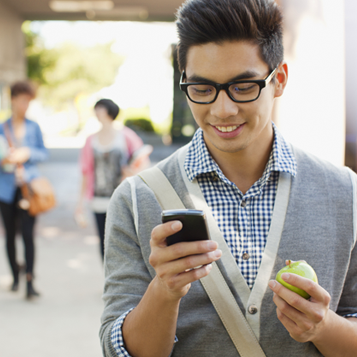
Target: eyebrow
[244,75]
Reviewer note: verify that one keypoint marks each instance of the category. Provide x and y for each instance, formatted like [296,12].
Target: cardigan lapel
[270,251]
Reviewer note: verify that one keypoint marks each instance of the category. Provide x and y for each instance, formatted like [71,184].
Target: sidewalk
[65,320]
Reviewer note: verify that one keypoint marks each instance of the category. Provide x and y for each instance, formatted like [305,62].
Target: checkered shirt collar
[198,160]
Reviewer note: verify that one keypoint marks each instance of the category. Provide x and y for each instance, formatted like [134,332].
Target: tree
[69,71]
[39,59]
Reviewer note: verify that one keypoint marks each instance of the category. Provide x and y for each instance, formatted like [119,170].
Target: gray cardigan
[320,227]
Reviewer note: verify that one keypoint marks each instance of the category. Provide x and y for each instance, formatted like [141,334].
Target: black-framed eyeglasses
[239,91]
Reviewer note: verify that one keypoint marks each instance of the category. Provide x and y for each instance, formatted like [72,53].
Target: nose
[224,107]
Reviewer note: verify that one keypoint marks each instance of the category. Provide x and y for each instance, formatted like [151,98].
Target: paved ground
[65,320]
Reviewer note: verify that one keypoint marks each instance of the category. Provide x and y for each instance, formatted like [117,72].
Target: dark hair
[22,87]
[204,21]
[110,106]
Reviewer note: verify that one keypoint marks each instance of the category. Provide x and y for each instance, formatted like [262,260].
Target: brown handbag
[38,194]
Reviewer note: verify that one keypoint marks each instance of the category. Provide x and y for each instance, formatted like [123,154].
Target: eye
[201,90]
[243,88]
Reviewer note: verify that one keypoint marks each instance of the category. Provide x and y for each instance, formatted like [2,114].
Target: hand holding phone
[194,226]
[174,270]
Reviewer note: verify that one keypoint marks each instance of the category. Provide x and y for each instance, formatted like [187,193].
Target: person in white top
[106,159]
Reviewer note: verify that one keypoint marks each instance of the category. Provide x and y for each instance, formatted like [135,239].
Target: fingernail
[177,225]
[285,276]
[272,284]
[218,253]
[209,267]
[211,245]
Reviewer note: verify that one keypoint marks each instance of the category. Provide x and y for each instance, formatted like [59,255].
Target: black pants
[100,220]
[13,218]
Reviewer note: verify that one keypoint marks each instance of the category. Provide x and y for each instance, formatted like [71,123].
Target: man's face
[20,104]
[251,122]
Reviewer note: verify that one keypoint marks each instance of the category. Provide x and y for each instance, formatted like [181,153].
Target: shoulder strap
[8,134]
[354,200]
[214,284]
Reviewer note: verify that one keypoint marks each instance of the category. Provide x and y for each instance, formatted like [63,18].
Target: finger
[188,263]
[289,324]
[163,254]
[185,249]
[180,280]
[312,288]
[315,311]
[299,318]
[292,298]
[162,231]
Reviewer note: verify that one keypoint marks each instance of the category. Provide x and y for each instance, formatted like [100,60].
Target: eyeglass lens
[239,91]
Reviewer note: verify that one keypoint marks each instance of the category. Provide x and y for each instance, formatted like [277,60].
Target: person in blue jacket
[18,165]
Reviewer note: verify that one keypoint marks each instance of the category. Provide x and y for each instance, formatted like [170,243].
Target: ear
[281,79]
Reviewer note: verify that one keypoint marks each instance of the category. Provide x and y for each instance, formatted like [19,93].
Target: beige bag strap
[214,284]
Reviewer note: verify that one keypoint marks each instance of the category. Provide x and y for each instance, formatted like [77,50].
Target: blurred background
[77,52]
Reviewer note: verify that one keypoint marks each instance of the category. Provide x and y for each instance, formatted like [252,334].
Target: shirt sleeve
[125,282]
[133,141]
[117,336]
[347,306]
[128,272]
[86,157]
[38,152]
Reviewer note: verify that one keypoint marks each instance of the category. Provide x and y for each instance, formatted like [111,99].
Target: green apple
[300,268]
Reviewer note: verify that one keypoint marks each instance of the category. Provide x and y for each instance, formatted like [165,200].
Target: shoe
[31,292]
[15,286]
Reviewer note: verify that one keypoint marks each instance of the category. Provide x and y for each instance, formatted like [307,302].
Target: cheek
[199,112]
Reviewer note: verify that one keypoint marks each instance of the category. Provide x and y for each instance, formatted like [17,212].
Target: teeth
[227,129]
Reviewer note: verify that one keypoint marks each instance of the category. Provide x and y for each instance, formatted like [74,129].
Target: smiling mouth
[227,129]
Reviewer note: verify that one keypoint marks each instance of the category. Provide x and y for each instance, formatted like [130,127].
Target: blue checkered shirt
[244,219]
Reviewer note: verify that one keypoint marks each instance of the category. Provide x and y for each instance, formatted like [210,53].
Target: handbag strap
[214,283]
[8,135]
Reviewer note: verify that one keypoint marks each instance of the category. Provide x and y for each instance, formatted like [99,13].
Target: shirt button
[246,256]
[215,178]
[243,204]
[252,309]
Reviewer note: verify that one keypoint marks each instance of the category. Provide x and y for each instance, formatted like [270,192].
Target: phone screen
[193,222]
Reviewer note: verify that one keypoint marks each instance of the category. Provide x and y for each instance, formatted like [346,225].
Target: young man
[231,58]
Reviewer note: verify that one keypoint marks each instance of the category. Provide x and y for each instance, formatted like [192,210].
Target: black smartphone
[193,222]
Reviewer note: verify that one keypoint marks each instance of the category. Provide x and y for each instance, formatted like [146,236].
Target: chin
[230,149]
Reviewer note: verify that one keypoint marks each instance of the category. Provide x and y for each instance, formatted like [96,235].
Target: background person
[18,166]
[105,160]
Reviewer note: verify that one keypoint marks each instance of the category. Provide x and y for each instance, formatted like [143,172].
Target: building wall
[351,83]
[311,114]
[12,60]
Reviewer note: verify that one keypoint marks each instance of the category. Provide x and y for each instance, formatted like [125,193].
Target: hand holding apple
[304,319]
[300,268]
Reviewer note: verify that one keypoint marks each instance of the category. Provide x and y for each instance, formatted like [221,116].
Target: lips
[228,131]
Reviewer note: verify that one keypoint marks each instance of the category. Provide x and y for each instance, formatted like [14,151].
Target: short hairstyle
[22,87]
[203,21]
[110,106]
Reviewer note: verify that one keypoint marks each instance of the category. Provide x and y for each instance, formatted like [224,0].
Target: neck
[17,118]
[246,166]
[107,126]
